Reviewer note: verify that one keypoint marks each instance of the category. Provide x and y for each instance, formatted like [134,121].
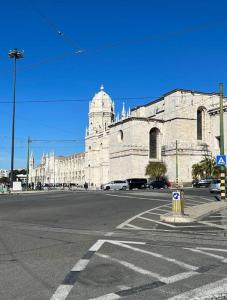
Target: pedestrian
[86,186]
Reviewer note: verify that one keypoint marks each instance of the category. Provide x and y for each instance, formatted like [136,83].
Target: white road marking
[213,224]
[62,292]
[212,249]
[172,260]
[110,296]
[132,267]
[222,258]
[135,217]
[165,210]
[109,234]
[180,276]
[80,265]
[97,245]
[137,269]
[192,200]
[158,222]
[210,291]
[151,213]
[207,199]
[134,227]
[143,198]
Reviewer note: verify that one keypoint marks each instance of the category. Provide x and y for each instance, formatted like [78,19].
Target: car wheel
[124,188]
[107,188]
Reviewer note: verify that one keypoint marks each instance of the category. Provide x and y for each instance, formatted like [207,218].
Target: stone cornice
[136,119]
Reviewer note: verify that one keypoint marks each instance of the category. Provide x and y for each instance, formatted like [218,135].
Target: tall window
[199,124]
[153,143]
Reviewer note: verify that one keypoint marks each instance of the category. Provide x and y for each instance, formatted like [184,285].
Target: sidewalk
[194,213]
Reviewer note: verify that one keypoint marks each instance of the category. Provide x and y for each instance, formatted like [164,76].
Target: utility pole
[177,179]
[28,154]
[15,54]
[222,150]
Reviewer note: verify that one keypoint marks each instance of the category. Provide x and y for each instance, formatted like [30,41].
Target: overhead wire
[126,98]
[79,51]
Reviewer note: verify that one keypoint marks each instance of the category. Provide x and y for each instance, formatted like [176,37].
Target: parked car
[215,186]
[159,184]
[202,182]
[116,185]
[137,183]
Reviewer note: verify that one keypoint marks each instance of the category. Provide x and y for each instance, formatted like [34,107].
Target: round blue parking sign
[175,195]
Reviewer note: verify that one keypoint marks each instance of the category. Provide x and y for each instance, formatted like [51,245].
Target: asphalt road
[108,245]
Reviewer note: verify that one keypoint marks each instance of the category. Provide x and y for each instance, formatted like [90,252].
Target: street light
[15,54]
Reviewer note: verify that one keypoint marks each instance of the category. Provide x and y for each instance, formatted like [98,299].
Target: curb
[170,218]
[193,215]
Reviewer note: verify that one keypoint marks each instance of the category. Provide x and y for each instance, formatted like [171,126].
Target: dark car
[159,184]
[137,183]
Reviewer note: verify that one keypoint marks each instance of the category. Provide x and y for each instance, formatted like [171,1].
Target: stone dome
[101,101]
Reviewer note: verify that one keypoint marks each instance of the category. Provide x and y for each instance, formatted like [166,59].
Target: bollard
[178,202]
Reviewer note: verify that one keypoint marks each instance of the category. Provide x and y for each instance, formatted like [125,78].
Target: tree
[4,180]
[206,168]
[156,169]
[17,172]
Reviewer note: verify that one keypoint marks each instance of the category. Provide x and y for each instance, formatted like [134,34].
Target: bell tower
[101,112]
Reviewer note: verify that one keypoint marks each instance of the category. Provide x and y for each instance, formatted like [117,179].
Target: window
[218,142]
[199,124]
[120,135]
[153,143]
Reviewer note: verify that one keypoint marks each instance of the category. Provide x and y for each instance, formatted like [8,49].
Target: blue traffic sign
[175,195]
[221,160]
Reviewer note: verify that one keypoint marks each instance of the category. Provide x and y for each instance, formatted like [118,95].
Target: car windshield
[215,181]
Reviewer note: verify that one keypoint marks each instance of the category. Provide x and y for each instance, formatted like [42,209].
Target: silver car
[116,185]
[215,186]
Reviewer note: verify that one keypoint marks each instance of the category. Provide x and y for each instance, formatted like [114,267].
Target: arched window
[153,143]
[120,135]
[200,121]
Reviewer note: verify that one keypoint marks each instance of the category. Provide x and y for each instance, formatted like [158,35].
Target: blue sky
[130,46]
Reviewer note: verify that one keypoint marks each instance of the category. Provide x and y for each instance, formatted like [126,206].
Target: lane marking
[137,269]
[158,222]
[62,292]
[222,258]
[136,216]
[212,249]
[151,213]
[172,260]
[213,224]
[143,198]
[111,296]
[81,265]
[214,290]
[71,278]
[132,267]
[134,227]
[165,210]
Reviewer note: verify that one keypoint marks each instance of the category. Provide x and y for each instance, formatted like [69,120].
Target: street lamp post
[14,54]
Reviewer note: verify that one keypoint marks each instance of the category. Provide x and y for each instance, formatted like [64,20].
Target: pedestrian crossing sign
[221,160]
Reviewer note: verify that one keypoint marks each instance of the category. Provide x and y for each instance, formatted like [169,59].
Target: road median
[194,213]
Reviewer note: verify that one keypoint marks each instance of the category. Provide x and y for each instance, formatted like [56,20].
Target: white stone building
[4,173]
[58,169]
[121,147]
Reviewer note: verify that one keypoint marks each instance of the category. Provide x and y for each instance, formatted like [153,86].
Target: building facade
[121,147]
[4,173]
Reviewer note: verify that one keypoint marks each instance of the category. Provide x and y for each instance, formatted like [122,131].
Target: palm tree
[206,168]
